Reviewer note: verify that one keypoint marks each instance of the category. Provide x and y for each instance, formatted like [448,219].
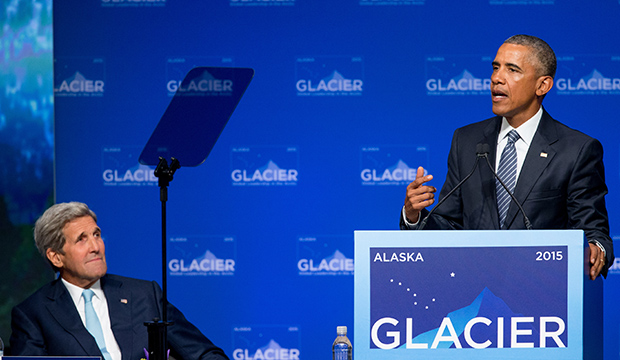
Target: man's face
[83,261]
[514,84]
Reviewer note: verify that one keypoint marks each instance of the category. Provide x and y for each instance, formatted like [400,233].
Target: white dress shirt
[526,133]
[101,308]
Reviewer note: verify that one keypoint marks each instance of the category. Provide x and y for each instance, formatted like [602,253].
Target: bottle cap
[341,330]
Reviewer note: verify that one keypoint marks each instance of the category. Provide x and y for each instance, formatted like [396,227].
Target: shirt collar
[76,291]
[526,130]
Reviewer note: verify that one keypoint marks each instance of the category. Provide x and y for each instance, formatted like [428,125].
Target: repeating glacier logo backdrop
[262,3]
[522,2]
[391,2]
[325,255]
[79,77]
[177,67]
[391,165]
[202,256]
[458,75]
[329,76]
[430,298]
[132,3]
[120,167]
[588,75]
[615,267]
[202,83]
[264,342]
[264,165]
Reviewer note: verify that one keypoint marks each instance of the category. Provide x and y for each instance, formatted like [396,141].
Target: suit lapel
[119,307]
[62,308]
[538,157]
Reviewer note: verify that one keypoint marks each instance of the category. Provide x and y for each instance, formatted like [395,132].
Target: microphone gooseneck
[480,152]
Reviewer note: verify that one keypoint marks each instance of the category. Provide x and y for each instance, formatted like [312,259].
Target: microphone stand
[479,154]
[157,336]
[482,151]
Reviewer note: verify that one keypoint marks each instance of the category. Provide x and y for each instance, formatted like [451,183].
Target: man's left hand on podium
[597,261]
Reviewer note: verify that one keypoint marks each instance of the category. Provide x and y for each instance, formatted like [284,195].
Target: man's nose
[94,243]
[497,77]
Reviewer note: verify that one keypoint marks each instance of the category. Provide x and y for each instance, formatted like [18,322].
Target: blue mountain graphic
[206,75]
[271,345]
[334,76]
[208,255]
[399,165]
[485,305]
[594,75]
[77,77]
[336,255]
[270,165]
[465,75]
[141,167]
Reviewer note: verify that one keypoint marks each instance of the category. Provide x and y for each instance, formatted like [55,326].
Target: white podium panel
[475,295]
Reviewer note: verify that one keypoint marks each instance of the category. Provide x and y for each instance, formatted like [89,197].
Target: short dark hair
[540,49]
[48,228]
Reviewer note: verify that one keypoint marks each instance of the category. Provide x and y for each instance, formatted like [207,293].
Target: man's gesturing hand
[419,196]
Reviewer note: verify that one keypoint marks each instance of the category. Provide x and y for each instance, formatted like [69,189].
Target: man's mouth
[498,95]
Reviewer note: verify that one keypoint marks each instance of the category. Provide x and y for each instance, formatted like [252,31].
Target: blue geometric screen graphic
[430,284]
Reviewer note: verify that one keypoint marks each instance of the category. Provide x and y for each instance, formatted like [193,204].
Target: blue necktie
[507,171]
[92,323]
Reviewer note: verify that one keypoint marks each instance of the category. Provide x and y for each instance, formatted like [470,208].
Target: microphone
[484,152]
[480,152]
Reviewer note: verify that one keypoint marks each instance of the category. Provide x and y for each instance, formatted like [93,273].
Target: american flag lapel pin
[124,301]
[543,154]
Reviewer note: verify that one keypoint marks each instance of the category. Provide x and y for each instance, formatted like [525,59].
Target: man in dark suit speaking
[555,172]
[86,312]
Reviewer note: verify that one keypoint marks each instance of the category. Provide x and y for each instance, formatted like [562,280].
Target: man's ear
[54,257]
[545,83]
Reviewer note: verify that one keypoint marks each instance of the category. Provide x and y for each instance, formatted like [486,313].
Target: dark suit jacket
[48,324]
[561,184]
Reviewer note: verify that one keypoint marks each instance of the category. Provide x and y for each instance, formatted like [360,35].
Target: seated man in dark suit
[86,312]
[556,172]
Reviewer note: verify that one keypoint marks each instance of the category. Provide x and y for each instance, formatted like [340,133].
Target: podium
[522,294]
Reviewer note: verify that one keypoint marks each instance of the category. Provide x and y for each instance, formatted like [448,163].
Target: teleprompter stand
[156,329]
[186,133]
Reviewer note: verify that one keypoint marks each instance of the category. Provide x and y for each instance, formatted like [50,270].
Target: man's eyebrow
[81,235]
[514,66]
[96,231]
[510,65]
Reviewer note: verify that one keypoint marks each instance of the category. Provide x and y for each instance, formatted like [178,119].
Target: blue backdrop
[348,96]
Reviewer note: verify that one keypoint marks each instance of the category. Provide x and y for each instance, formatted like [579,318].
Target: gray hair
[547,63]
[48,232]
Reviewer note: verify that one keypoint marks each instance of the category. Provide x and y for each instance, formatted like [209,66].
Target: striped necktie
[507,171]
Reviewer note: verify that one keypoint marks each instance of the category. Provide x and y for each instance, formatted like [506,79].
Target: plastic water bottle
[1,348]
[342,348]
